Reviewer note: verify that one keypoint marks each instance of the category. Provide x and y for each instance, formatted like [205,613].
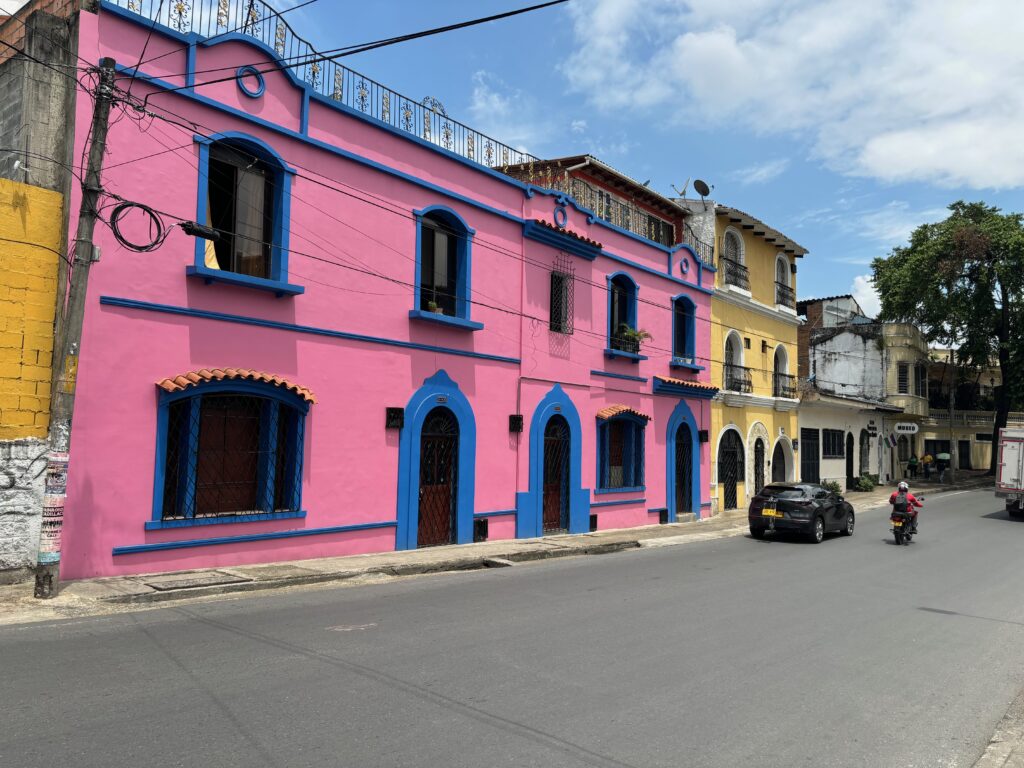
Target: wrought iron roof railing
[425,119]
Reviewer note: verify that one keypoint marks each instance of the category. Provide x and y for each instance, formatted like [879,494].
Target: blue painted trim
[159,525]
[304,113]
[657,510]
[208,276]
[530,504]
[248,70]
[437,391]
[632,356]
[464,277]
[451,322]
[560,216]
[137,548]
[560,240]
[631,489]
[595,504]
[656,272]
[661,387]
[279,239]
[190,64]
[677,362]
[223,316]
[689,313]
[625,376]
[496,513]
[682,415]
[705,504]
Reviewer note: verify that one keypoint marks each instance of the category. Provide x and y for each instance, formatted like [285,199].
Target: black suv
[802,507]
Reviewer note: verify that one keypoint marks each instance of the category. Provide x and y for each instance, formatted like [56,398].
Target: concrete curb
[1006,747]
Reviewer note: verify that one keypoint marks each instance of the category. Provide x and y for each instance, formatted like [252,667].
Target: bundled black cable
[158,231]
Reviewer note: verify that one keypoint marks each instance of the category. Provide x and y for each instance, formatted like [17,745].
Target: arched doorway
[439,478]
[557,441]
[730,467]
[758,465]
[684,469]
[778,464]
[865,452]
[851,477]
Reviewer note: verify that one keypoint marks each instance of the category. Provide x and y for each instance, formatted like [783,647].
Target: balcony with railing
[425,119]
[736,378]
[736,274]
[785,296]
[783,385]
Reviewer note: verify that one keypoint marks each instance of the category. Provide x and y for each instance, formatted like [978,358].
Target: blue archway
[530,505]
[681,415]
[437,390]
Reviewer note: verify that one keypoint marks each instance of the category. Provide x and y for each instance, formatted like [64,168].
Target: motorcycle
[903,525]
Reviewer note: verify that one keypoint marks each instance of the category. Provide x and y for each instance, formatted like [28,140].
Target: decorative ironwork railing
[615,210]
[736,378]
[783,385]
[736,274]
[785,295]
[425,119]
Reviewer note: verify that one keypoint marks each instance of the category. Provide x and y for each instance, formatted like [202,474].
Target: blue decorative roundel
[561,217]
[245,77]
[684,265]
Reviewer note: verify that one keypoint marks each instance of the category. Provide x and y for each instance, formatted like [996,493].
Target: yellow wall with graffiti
[30,238]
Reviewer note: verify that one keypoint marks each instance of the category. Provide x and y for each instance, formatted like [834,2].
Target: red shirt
[911,501]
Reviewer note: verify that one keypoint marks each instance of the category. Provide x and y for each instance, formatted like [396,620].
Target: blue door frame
[682,415]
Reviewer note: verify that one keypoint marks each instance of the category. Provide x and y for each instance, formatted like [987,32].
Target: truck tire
[1013,509]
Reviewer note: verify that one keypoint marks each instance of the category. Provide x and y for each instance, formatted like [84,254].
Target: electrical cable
[156,240]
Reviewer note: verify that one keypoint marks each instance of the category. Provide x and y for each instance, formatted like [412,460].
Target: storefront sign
[906,428]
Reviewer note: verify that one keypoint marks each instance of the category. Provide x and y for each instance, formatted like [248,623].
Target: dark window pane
[240,207]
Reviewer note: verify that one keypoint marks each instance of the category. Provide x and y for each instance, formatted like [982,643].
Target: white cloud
[760,173]
[896,90]
[578,126]
[864,292]
[892,224]
[505,113]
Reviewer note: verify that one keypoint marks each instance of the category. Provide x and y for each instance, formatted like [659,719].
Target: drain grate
[171,581]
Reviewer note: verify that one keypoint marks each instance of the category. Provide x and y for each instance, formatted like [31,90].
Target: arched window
[783,385]
[785,296]
[733,266]
[229,446]
[781,270]
[443,267]
[684,325]
[735,378]
[622,295]
[620,438]
[732,247]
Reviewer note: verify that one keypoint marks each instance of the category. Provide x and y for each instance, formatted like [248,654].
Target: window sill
[233,278]
[682,362]
[189,522]
[451,322]
[613,353]
[631,489]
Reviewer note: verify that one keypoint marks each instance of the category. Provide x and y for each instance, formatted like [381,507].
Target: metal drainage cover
[187,580]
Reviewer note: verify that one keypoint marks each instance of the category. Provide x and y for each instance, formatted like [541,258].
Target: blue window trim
[277,283]
[633,296]
[678,362]
[208,314]
[134,549]
[158,525]
[530,504]
[495,513]
[681,357]
[618,353]
[194,394]
[625,376]
[696,390]
[437,390]
[464,271]
[616,503]
[632,464]
[682,414]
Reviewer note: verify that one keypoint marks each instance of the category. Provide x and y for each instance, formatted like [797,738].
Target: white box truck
[1010,470]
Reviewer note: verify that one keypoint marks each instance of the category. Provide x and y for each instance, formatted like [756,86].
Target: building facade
[395,341]
[753,354]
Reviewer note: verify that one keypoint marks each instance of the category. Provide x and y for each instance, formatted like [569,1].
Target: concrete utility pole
[68,345]
[952,409]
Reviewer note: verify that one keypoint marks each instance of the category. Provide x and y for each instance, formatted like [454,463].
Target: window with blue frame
[621,453]
[443,269]
[622,314]
[231,453]
[684,329]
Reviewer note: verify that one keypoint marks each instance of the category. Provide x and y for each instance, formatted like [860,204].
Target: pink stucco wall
[349,224]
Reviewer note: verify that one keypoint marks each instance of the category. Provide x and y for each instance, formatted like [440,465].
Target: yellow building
[30,238]
[753,358]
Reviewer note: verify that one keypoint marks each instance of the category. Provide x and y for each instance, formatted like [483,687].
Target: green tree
[961,281]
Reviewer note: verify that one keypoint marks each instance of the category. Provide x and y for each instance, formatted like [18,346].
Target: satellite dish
[701,187]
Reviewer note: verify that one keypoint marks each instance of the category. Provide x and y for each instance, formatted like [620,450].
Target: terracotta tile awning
[687,384]
[194,378]
[569,233]
[617,410]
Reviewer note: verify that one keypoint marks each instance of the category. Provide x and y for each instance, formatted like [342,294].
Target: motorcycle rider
[902,500]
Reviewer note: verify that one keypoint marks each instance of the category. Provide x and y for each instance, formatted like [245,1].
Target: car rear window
[782,492]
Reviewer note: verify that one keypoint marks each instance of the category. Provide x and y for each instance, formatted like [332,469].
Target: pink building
[407,333]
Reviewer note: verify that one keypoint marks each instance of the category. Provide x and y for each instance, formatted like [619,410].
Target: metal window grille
[903,378]
[758,465]
[439,478]
[730,468]
[229,454]
[810,460]
[621,444]
[683,320]
[557,441]
[563,296]
[833,444]
[684,469]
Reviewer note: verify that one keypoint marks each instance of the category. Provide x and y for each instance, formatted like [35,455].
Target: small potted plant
[633,338]
[432,306]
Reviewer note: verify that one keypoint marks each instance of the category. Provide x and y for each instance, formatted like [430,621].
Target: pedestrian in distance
[912,466]
[926,461]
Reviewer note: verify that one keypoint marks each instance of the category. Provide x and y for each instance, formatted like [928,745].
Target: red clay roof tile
[193,378]
[618,409]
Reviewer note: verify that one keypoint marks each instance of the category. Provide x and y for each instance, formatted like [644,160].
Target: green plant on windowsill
[432,306]
[633,338]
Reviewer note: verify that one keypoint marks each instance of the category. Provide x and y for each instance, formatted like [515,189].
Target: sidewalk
[114,594]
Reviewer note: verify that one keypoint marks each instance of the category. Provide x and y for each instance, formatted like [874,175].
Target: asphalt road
[733,652]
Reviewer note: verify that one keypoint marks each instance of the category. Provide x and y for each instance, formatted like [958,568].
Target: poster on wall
[54,494]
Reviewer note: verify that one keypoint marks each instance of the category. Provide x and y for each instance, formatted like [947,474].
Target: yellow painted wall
[30,236]
[760,259]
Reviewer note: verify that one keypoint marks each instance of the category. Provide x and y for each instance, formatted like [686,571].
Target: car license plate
[770,512]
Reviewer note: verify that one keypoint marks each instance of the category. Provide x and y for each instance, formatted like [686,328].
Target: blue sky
[841,124]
